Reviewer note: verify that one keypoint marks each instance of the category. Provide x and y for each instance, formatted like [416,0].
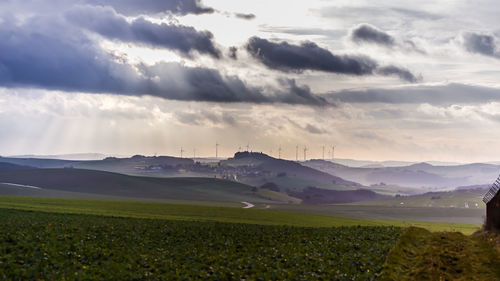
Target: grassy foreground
[51,246]
[422,255]
[206,213]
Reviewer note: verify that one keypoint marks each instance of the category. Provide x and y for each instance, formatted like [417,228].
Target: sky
[379,80]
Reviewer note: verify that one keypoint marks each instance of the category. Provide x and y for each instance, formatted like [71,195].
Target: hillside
[423,255]
[287,175]
[416,175]
[113,184]
[313,195]
[136,165]
[10,167]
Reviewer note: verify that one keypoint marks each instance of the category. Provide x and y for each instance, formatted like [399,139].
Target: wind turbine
[182,151]
[297,153]
[279,152]
[333,152]
[305,150]
[323,153]
[216,150]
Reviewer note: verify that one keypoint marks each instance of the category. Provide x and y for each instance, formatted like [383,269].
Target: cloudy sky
[378,79]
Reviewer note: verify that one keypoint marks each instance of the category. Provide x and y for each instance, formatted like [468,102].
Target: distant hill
[135,165]
[415,175]
[73,156]
[10,167]
[389,163]
[113,184]
[286,174]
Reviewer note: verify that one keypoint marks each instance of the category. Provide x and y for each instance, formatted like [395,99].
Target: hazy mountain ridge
[415,175]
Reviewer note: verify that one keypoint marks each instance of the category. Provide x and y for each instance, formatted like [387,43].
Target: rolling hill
[135,165]
[11,167]
[113,184]
[260,169]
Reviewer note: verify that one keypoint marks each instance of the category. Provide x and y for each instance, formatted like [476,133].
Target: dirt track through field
[247,205]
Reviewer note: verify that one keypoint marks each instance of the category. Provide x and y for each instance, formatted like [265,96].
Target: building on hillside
[492,200]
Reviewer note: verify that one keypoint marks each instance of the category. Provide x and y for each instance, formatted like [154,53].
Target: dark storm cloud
[309,56]
[445,95]
[480,44]
[107,23]
[40,56]
[124,7]
[301,95]
[402,73]
[245,16]
[233,53]
[366,33]
[134,7]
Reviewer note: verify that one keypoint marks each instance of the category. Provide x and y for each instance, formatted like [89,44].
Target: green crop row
[47,246]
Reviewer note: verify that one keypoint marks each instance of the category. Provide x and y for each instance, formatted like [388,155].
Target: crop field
[211,213]
[50,246]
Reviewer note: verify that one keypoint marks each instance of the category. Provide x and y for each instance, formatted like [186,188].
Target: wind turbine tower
[279,152]
[333,152]
[305,151]
[323,153]
[216,150]
[182,151]
[297,153]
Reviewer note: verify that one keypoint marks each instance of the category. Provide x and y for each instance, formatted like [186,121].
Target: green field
[77,239]
[467,199]
[45,246]
[208,213]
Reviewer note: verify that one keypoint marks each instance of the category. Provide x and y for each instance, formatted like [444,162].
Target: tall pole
[279,152]
[216,150]
[248,147]
[182,150]
[194,153]
[323,153]
[297,153]
[333,152]
[305,150]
